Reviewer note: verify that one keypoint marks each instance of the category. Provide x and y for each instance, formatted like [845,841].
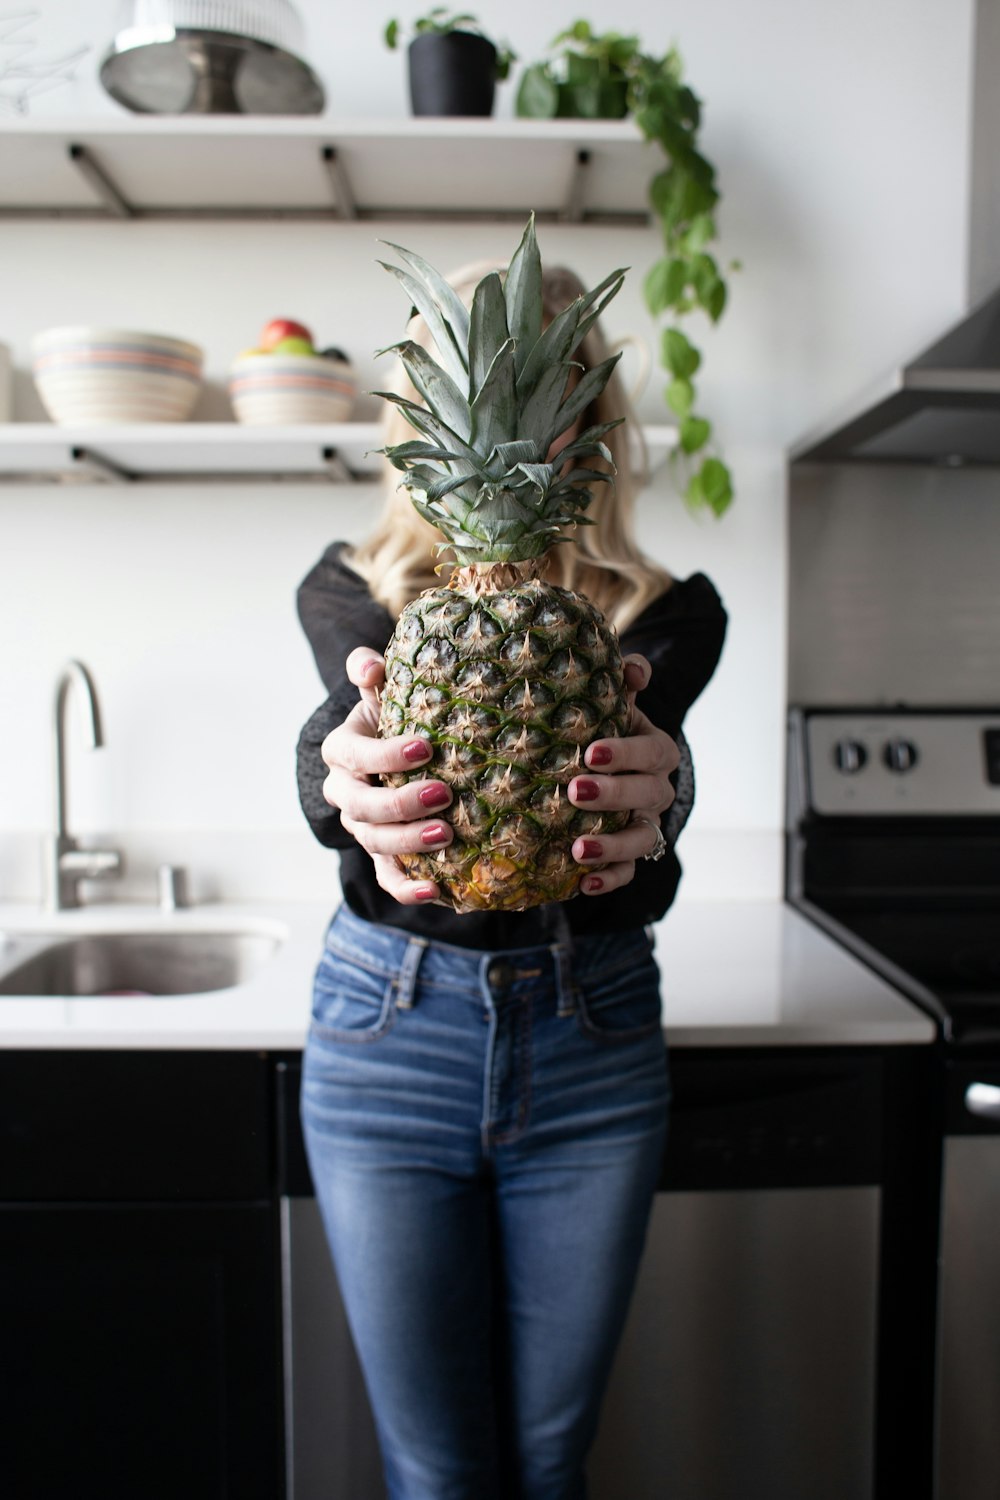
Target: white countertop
[734,973]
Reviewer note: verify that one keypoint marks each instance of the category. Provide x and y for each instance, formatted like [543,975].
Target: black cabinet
[139,1277]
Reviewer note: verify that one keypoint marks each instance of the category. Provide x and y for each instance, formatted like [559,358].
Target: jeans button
[500,976]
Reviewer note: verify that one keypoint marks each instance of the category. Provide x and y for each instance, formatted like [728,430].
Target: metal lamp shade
[211,57]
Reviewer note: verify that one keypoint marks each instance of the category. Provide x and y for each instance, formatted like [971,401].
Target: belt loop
[562,954]
[406,979]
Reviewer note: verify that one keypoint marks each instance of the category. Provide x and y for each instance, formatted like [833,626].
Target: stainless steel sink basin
[130,963]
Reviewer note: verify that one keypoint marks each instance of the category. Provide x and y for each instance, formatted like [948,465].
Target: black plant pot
[453,73]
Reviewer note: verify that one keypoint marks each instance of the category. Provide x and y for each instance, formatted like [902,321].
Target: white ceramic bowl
[272,389]
[88,375]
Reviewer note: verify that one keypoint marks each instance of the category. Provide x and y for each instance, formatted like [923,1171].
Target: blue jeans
[485,1133]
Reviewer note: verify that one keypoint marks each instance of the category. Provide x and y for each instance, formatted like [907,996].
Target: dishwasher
[754,1353]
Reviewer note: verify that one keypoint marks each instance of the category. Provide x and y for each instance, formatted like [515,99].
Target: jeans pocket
[351,1002]
[623,1004]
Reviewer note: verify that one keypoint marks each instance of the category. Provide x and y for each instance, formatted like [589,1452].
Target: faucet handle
[91,864]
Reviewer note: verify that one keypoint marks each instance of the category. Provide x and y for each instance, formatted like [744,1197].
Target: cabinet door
[139,1352]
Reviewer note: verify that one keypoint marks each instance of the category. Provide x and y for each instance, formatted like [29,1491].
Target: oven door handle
[983,1099]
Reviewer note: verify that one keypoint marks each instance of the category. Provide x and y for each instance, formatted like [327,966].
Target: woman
[484,1097]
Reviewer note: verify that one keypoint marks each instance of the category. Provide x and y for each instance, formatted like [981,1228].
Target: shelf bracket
[86,460]
[337,173]
[99,180]
[573,212]
[337,470]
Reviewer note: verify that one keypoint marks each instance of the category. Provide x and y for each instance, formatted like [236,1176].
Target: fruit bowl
[272,388]
[86,375]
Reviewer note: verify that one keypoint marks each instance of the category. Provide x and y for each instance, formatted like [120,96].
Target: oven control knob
[900,755]
[849,756]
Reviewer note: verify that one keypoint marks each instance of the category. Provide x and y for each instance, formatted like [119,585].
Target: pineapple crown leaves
[493,403]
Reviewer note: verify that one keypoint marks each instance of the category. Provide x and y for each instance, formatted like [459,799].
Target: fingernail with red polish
[599,755]
[435,834]
[593,883]
[416,750]
[591,849]
[425,893]
[435,795]
[586,791]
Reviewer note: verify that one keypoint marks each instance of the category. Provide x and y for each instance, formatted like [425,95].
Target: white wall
[840,134]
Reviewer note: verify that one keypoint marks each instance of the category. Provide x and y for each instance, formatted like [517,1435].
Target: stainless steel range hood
[941,408]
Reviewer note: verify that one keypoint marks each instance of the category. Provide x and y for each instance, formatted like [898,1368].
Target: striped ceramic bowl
[88,375]
[271,389]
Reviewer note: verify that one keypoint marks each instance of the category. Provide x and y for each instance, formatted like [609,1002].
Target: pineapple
[509,677]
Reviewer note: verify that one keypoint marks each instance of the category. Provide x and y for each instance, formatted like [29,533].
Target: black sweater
[680,633]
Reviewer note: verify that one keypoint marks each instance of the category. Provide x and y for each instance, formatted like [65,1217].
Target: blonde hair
[603,561]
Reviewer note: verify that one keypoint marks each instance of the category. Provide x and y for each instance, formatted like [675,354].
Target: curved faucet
[68,863]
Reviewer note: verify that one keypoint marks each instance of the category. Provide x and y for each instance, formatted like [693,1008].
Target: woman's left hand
[646,756]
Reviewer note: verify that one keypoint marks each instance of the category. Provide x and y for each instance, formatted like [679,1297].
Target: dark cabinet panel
[140,1353]
[115,1126]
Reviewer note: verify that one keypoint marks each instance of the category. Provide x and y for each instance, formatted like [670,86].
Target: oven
[894,849]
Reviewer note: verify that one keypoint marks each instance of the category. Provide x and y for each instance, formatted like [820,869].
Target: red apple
[282,328]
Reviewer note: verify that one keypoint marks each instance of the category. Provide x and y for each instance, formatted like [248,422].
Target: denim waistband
[505,972]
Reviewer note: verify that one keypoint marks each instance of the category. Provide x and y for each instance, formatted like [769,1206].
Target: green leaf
[716,301]
[565,332]
[587,322]
[488,333]
[494,410]
[539,413]
[581,101]
[432,427]
[508,455]
[716,485]
[695,432]
[680,396]
[678,354]
[701,230]
[523,296]
[444,294]
[704,274]
[437,388]
[537,94]
[391,34]
[587,389]
[441,330]
[664,283]
[694,495]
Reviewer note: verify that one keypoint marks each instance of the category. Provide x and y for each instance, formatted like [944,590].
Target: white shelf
[207,451]
[275,167]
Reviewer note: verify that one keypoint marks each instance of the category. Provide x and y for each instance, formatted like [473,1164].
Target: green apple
[293,345]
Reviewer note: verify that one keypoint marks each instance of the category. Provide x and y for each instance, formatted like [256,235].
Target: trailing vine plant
[607,75]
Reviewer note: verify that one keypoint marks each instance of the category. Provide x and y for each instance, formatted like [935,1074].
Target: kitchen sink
[131,963]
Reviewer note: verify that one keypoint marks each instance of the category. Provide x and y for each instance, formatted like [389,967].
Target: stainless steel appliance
[894,848]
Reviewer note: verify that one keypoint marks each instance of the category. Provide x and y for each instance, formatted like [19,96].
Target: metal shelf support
[343,193]
[85,459]
[573,212]
[96,177]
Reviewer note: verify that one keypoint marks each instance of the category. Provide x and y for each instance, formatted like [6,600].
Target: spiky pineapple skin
[509,688]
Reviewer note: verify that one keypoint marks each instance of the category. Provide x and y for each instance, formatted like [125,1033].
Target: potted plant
[607,76]
[453,66]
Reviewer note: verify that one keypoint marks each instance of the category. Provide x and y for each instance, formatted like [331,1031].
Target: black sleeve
[682,639]
[683,645]
[337,614]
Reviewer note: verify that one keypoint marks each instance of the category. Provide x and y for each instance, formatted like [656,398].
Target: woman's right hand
[384,820]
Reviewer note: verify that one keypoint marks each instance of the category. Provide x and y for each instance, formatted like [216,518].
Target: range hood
[941,408]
